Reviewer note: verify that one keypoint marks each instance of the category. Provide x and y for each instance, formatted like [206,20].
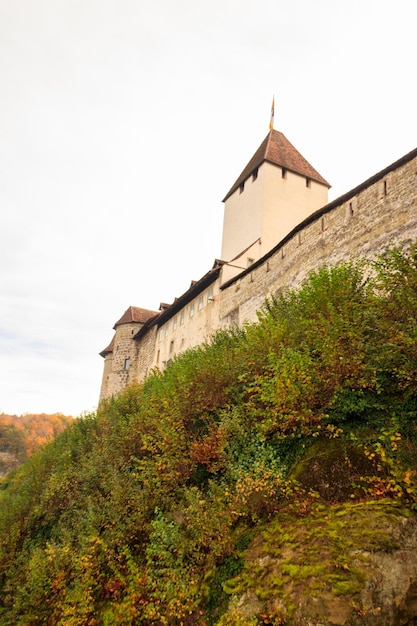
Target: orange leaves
[209,450]
[38,429]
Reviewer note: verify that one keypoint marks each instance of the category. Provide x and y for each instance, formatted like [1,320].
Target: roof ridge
[278,150]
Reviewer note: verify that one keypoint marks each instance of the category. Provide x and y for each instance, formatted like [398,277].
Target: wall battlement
[377,214]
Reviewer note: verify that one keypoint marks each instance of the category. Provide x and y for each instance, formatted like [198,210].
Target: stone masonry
[377,214]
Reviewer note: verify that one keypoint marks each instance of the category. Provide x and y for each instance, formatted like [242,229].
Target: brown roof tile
[135,314]
[276,149]
[107,350]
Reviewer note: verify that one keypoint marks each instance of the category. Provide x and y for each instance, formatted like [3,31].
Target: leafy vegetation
[271,444]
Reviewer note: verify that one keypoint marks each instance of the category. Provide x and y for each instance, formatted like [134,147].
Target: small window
[200,303]
[166,329]
[255,174]
[352,207]
[241,187]
[192,309]
[182,318]
[174,323]
[171,348]
[308,182]
[160,334]
[210,297]
[127,364]
[250,262]
[283,173]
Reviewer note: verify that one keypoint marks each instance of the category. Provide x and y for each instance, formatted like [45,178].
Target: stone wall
[375,215]
[364,222]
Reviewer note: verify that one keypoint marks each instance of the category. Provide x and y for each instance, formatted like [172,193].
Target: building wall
[192,325]
[364,222]
[120,366]
[267,208]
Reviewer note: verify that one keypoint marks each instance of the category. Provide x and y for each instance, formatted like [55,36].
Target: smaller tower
[120,355]
[276,190]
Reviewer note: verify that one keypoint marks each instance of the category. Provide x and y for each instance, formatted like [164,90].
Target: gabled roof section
[135,314]
[276,149]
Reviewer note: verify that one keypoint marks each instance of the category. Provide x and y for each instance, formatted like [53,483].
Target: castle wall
[107,375]
[265,209]
[120,366]
[192,325]
[143,354]
[365,222]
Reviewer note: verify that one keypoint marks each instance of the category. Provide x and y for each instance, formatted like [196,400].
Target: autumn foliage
[21,435]
[147,511]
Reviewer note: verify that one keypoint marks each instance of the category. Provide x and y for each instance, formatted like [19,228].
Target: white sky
[123,124]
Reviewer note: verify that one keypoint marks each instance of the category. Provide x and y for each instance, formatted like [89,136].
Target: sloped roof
[107,350]
[276,149]
[135,314]
[322,211]
[197,286]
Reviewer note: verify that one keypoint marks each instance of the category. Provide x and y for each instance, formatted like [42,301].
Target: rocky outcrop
[342,565]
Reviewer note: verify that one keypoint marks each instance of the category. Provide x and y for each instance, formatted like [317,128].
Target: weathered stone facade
[380,212]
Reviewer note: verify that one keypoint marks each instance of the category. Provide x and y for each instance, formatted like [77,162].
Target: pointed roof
[276,149]
[135,314]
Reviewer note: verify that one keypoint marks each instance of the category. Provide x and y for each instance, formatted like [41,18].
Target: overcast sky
[124,123]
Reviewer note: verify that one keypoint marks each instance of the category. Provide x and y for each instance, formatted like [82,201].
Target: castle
[278,227]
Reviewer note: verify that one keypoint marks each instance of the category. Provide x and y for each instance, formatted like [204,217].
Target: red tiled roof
[135,314]
[276,149]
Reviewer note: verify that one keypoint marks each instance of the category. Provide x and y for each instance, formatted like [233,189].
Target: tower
[276,190]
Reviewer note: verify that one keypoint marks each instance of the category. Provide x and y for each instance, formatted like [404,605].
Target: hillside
[268,477]
[21,435]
